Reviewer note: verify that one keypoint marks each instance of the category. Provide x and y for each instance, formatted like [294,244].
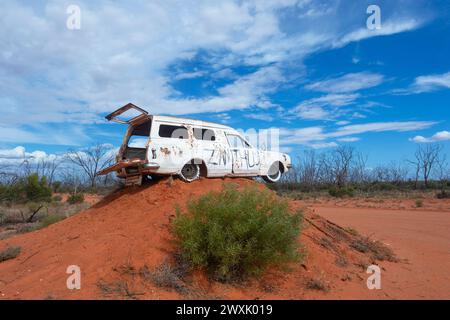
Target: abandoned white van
[160,145]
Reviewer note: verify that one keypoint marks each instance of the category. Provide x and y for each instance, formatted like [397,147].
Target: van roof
[191,122]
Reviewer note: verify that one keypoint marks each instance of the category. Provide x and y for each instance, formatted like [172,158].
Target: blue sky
[310,68]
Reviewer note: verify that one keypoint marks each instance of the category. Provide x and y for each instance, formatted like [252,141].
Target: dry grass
[419,203]
[13,218]
[119,288]
[9,253]
[317,284]
[341,261]
[166,276]
[377,249]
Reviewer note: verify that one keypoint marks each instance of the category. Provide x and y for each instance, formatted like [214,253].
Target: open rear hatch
[136,122]
[138,114]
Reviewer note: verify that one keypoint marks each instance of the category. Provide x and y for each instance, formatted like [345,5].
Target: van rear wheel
[190,172]
[274,174]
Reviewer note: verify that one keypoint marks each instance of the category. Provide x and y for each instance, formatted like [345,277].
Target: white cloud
[348,139]
[189,75]
[311,112]
[396,126]
[387,28]
[317,136]
[341,91]
[431,83]
[18,155]
[438,136]
[125,52]
[324,107]
[347,83]
[260,116]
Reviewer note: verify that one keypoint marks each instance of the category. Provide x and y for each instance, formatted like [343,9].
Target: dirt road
[421,237]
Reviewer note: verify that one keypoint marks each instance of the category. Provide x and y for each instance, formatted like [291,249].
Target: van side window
[176,132]
[235,141]
[204,134]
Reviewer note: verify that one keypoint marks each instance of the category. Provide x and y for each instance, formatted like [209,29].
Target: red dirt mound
[126,234]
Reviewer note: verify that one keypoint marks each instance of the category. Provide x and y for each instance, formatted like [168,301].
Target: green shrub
[30,188]
[235,233]
[57,198]
[419,203]
[341,192]
[56,186]
[51,219]
[75,198]
[9,253]
[37,189]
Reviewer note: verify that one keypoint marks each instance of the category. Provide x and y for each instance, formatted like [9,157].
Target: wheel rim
[190,171]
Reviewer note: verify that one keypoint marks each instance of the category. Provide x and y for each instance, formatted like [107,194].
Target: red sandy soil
[422,237]
[428,202]
[130,229]
[88,197]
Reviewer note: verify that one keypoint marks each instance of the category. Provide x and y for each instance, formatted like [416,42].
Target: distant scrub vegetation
[343,172]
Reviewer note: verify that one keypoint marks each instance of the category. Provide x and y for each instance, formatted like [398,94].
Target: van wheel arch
[193,170]
[272,178]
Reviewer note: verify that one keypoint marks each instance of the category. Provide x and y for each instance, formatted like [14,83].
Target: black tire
[274,174]
[190,172]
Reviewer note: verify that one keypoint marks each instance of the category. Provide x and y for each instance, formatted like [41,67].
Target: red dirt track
[132,228]
[421,237]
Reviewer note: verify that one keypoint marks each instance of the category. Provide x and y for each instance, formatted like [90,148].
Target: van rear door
[137,121]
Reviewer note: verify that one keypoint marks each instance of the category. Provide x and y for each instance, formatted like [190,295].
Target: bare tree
[342,158]
[325,169]
[442,170]
[334,167]
[393,172]
[425,160]
[47,168]
[358,173]
[308,168]
[92,160]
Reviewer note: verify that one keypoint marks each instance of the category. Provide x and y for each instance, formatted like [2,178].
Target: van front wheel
[274,174]
[190,172]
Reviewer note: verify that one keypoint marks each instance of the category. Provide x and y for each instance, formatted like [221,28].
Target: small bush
[9,253]
[443,195]
[317,284]
[57,198]
[37,189]
[75,198]
[341,192]
[29,188]
[51,219]
[419,203]
[165,276]
[377,249]
[56,186]
[238,233]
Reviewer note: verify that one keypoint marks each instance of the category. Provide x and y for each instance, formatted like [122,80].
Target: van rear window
[176,132]
[204,134]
